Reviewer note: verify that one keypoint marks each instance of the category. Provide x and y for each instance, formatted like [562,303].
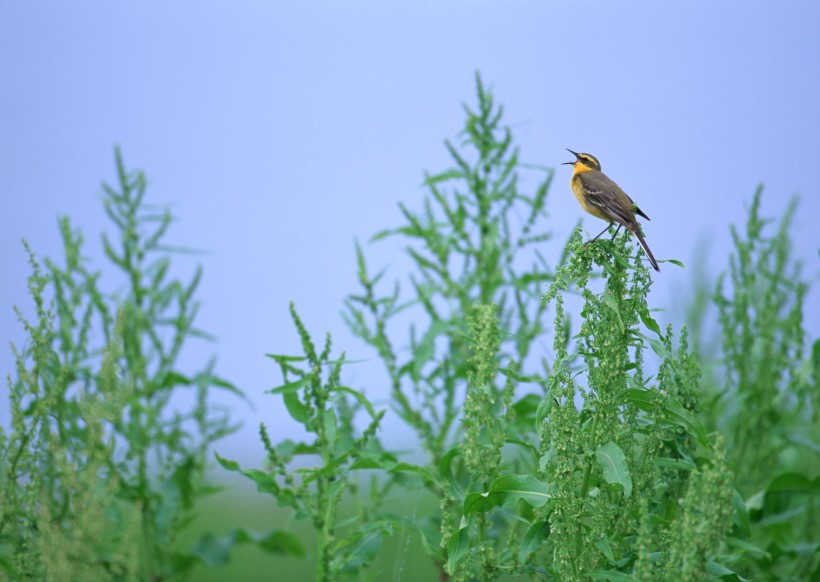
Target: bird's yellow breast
[578,189]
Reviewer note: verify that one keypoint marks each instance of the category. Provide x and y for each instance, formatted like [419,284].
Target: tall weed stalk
[544,462]
[107,451]
[767,401]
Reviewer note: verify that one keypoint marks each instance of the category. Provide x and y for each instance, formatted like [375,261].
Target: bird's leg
[592,240]
[616,231]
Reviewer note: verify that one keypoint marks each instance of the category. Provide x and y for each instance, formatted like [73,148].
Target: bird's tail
[646,250]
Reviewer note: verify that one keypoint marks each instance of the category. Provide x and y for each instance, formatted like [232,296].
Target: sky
[280,132]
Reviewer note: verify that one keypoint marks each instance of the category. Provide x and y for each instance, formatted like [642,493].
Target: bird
[604,199]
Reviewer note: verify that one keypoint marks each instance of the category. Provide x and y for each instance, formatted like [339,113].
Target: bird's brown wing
[608,198]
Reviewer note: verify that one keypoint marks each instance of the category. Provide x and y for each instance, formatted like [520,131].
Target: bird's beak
[574,154]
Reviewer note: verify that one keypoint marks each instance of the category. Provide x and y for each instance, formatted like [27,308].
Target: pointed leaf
[361,398]
[290,387]
[531,541]
[330,426]
[456,548]
[650,323]
[611,575]
[508,489]
[298,411]
[613,464]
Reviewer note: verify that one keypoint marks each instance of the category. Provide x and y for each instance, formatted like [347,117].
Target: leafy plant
[561,433]
[315,397]
[566,508]
[476,312]
[109,438]
[768,401]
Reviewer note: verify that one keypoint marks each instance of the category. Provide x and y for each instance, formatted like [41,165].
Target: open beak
[571,163]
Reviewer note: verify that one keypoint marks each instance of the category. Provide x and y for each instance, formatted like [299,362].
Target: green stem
[579,531]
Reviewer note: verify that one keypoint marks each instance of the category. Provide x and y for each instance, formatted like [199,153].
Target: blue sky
[280,131]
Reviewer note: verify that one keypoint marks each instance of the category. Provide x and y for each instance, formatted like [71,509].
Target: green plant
[508,506]
[562,434]
[621,448]
[315,397]
[109,438]
[476,311]
[768,401]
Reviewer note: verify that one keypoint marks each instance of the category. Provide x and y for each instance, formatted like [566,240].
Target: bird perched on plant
[603,198]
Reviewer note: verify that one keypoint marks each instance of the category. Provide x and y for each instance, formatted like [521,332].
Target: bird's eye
[590,162]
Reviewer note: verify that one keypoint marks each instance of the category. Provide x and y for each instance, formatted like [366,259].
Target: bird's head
[587,161]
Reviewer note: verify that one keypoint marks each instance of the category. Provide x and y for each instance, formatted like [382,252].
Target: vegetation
[561,433]
[102,466]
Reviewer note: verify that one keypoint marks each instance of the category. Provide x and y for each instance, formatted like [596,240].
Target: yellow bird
[603,198]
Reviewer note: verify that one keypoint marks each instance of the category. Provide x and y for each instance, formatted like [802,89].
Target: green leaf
[508,489]
[793,483]
[298,411]
[719,571]
[407,231]
[227,463]
[361,264]
[612,575]
[426,349]
[429,539]
[610,301]
[526,407]
[740,516]
[444,466]
[215,552]
[458,545]
[361,547]
[673,413]
[443,177]
[611,459]
[226,385]
[329,421]
[527,445]
[543,411]
[602,543]
[366,463]
[682,464]
[281,542]
[677,414]
[290,387]
[387,462]
[649,322]
[537,533]
[481,502]
[280,358]
[410,468]
[643,399]
[175,379]
[361,398]
[660,349]
[748,547]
